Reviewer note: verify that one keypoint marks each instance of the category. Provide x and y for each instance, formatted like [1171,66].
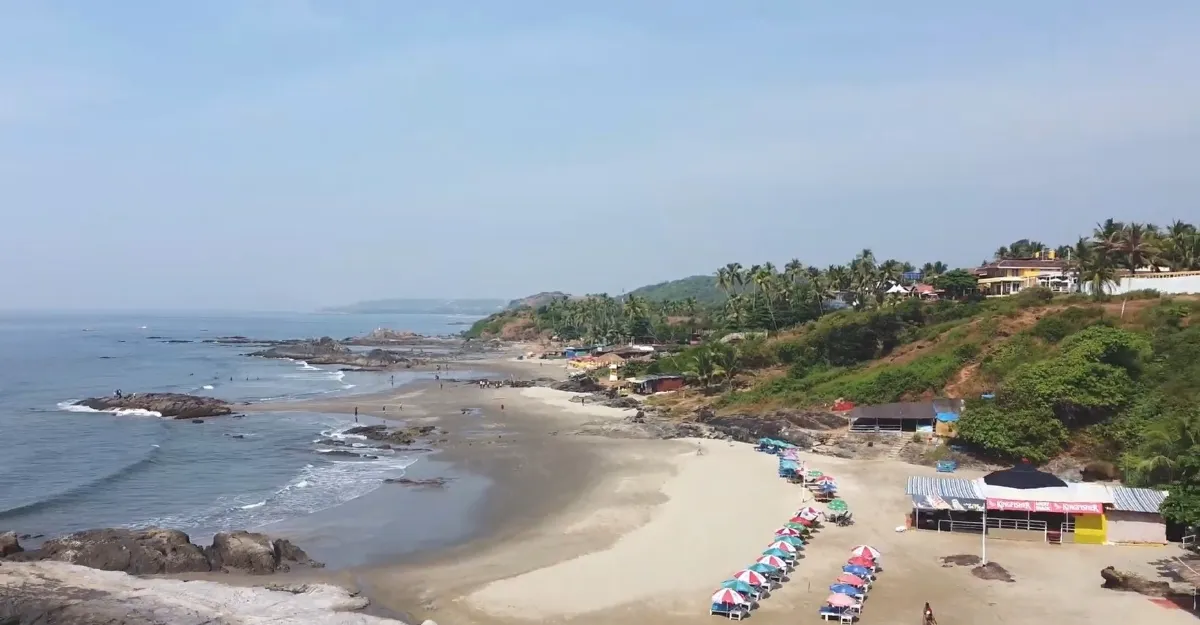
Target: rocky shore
[156,550]
[57,593]
[326,351]
[171,405]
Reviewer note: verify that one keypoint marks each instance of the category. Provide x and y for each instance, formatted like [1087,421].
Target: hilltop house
[1009,276]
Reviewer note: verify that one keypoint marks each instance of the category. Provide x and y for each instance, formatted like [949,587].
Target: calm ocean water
[63,471]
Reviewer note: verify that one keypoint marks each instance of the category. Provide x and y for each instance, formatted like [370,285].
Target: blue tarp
[789,464]
[947,417]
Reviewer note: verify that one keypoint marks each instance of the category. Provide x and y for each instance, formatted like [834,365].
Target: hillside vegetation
[1089,376]
[702,289]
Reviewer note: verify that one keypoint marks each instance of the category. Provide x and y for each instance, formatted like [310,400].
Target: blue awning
[947,417]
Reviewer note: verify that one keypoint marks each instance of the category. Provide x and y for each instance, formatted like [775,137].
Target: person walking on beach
[928,615]
[393,380]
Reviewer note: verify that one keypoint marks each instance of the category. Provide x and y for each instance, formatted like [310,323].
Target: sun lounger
[729,611]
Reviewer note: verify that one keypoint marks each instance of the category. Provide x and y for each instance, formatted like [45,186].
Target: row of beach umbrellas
[850,587]
[784,548]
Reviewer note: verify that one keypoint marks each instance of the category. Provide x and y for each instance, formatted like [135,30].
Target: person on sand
[928,615]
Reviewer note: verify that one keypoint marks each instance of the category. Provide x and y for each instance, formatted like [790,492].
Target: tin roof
[952,487]
[1136,499]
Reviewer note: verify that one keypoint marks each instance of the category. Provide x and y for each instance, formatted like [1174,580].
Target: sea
[64,468]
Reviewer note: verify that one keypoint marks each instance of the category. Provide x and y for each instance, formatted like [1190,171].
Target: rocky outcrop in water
[55,593]
[387,336]
[433,482]
[155,550]
[9,544]
[401,436]
[326,351]
[173,405]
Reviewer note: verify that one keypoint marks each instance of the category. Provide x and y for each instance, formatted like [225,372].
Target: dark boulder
[402,436]
[173,405]
[254,553]
[326,351]
[9,544]
[137,552]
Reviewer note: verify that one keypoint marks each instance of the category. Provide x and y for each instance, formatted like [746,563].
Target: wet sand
[579,528]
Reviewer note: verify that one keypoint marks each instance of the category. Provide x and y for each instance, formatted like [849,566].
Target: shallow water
[63,470]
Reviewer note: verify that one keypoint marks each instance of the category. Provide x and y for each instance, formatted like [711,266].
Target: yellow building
[1012,275]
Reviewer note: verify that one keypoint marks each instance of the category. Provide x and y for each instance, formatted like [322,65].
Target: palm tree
[704,366]
[1136,246]
[1181,246]
[764,281]
[728,362]
[1167,446]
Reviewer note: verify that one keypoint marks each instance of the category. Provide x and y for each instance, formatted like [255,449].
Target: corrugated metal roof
[954,488]
[1136,499]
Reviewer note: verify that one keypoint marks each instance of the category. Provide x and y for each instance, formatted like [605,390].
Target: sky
[293,154]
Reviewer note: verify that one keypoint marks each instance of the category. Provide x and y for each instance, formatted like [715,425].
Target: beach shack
[904,416]
[1076,512]
[656,384]
[578,352]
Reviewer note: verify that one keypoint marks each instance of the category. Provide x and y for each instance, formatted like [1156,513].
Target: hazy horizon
[300,154]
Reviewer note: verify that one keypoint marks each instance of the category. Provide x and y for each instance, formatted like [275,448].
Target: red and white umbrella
[787,531]
[853,580]
[754,578]
[866,551]
[824,478]
[774,561]
[782,546]
[862,561]
[805,521]
[808,512]
[728,595]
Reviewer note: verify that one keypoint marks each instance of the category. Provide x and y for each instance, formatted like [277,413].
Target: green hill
[701,288]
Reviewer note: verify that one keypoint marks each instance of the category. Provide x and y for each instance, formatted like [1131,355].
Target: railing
[882,428]
[1068,527]
[976,527]
[1189,542]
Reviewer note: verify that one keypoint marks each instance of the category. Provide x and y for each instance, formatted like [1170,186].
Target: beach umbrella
[866,551]
[786,531]
[737,585]
[1023,476]
[796,526]
[774,561]
[783,546]
[845,589]
[838,505]
[778,553]
[765,569]
[754,578]
[861,561]
[822,479]
[854,569]
[828,487]
[808,512]
[726,595]
[794,541]
[853,580]
[805,521]
[838,600]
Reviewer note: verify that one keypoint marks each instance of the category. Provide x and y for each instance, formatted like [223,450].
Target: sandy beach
[588,529]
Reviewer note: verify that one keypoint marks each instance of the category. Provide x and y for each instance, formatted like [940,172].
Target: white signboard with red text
[1058,507]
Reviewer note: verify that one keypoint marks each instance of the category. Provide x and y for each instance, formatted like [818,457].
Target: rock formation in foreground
[326,351]
[401,436]
[155,550]
[173,405]
[56,593]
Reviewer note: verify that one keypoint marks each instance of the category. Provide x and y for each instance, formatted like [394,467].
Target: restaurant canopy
[1023,476]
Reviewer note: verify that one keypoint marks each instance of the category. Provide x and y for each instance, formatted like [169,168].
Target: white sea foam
[207,387]
[254,505]
[307,367]
[70,406]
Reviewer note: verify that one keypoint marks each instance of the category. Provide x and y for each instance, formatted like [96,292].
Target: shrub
[1031,433]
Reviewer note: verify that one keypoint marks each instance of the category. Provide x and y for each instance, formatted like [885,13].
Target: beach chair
[729,611]
[830,613]
[946,466]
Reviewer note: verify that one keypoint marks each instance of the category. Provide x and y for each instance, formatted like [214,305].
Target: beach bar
[1085,513]
[905,416]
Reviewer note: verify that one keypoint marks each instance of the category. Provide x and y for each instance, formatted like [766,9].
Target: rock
[578,384]
[156,551]
[383,336]
[404,481]
[798,428]
[138,552]
[326,351]
[348,454]
[173,405]
[9,544]
[1132,582]
[1100,471]
[992,572]
[403,436]
[255,553]
[56,593]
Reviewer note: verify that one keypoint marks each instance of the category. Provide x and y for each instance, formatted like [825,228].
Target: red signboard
[1058,507]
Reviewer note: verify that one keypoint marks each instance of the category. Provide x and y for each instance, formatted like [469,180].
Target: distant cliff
[423,307]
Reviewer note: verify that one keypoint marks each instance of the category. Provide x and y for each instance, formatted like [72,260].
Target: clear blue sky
[288,154]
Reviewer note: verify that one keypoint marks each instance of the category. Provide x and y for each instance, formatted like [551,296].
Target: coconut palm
[1135,246]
